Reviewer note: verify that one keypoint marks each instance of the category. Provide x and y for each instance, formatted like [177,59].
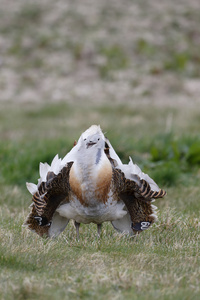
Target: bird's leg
[77,225]
[99,226]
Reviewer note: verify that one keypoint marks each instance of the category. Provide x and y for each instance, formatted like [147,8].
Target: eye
[98,139]
[84,139]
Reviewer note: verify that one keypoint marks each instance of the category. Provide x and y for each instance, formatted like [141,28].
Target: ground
[133,68]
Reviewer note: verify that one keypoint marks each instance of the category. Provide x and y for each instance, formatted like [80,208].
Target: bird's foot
[99,227]
[77,225]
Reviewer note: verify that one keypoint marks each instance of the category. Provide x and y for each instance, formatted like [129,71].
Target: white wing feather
[43,169]
[32,188]
[113,154]
[132,171]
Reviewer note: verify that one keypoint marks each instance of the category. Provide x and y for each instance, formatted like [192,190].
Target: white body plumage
[91,197]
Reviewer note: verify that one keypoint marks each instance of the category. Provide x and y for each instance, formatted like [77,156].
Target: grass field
[64,66]
[161,263]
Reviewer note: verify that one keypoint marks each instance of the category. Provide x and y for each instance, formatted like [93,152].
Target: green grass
[161,263]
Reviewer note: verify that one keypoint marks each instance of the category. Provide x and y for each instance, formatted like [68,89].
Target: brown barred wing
[138,197]
[145,191]
[35,226]
[46,200]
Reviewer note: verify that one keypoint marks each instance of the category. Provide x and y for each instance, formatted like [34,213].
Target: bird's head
[92,138]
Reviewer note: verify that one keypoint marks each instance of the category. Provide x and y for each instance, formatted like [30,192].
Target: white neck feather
[89,162]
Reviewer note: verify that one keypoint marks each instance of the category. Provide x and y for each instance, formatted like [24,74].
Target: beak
[90,144]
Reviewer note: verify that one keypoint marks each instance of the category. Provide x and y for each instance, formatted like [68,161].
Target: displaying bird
[91,184]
